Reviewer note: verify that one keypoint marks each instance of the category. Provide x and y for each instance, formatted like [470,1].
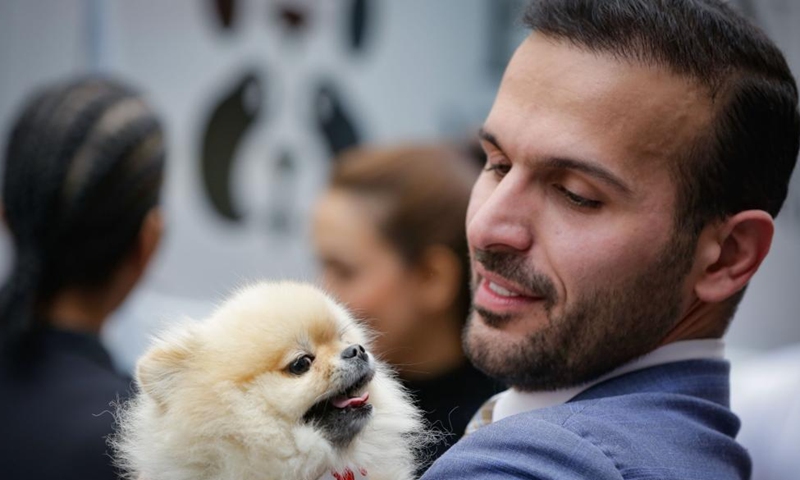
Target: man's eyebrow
[556,163]
[484,135]
[590,169]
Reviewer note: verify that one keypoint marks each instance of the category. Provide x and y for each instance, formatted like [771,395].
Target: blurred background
[259,95]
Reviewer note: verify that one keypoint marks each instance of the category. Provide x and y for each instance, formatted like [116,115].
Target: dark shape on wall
[225,11]
[358,24]
[282,192]
[294,18]
[334,121]
[231,118]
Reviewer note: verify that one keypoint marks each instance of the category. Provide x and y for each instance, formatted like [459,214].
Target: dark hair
[83,167]
[746,159]
[422,191]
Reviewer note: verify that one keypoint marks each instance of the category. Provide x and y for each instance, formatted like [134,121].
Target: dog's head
[275,356]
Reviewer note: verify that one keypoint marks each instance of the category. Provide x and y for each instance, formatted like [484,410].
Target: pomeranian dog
[277,384]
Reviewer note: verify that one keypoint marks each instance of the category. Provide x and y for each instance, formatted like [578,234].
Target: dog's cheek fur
[286,396]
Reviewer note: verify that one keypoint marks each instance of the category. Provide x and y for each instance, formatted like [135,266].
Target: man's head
[637,152]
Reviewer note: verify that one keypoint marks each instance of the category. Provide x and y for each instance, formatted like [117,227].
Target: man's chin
[515,324]
[490,318]
[515,359]
[489,347]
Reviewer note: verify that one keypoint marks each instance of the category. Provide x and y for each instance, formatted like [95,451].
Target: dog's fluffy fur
[223,399]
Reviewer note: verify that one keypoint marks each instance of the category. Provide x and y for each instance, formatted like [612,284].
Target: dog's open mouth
[351,397]
[341,415]
[344,401]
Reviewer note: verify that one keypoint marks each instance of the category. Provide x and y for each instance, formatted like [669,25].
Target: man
[637,153]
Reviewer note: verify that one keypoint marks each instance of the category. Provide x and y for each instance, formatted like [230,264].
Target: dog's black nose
[354,351]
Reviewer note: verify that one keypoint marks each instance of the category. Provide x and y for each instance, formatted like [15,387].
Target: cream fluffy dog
[276,384]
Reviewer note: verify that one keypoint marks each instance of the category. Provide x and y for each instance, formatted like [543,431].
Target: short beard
[602,330]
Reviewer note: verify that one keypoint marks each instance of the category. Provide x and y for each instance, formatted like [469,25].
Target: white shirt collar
[511,401]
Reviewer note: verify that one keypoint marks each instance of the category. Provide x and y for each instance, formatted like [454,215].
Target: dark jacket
[55,409]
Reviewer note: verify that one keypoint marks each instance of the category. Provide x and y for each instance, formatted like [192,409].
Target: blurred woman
[389,233]
[83,170]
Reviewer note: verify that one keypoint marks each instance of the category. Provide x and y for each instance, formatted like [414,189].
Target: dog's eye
[300,365]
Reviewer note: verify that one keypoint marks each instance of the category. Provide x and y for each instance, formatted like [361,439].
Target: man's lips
[499,295]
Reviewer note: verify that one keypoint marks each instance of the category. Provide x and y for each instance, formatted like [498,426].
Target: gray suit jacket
[666,422]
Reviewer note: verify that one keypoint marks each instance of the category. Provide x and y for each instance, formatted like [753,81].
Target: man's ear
[440,274]
[158,370]
[731,252]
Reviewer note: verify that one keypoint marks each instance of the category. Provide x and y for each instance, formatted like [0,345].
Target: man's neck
[701,321]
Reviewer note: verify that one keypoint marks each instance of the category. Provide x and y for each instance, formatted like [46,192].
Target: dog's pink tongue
[344,402]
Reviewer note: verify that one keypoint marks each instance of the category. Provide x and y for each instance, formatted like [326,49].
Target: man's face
[576,265]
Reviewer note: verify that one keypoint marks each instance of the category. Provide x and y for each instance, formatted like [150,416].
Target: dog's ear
[161,366]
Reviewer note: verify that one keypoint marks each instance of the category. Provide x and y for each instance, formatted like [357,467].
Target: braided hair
[84,165]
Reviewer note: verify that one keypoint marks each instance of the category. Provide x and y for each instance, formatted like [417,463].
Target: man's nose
[501,216]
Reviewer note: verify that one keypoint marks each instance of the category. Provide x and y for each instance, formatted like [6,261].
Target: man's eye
[300,365]
[578,200]
[500,169]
